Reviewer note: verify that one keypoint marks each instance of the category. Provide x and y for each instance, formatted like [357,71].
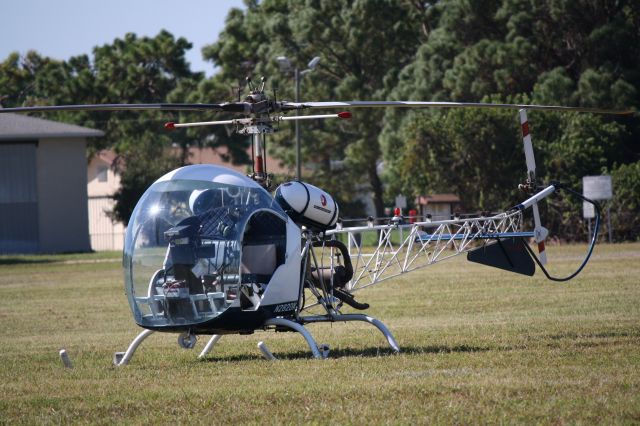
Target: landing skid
[123,358]
[188,341]
[278,322]
[356,317]
[318,352]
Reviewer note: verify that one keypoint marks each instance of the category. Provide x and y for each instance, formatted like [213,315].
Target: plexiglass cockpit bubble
[201,240]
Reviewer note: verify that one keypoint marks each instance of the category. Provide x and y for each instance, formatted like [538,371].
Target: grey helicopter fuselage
[210,251]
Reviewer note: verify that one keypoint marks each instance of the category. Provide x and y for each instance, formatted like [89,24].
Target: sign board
[597,187]
[401,201]
[588,210]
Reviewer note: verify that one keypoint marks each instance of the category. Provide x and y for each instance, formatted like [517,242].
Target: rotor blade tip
[344,115]
[170,125]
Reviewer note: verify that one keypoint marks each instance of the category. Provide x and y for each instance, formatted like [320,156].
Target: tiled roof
[18,126]
[438,198]
[107,156]
[215,156]
[210,156]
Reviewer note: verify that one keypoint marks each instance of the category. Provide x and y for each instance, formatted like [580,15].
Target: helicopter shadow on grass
[369,352]
[595,335]
[592,339]
[379,351]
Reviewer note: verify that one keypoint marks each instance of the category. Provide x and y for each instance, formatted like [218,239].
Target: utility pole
[298,150]
[286,67]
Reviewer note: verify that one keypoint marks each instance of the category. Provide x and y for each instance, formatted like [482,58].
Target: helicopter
[210,251]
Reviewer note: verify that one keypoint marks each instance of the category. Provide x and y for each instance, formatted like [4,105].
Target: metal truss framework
[406,247]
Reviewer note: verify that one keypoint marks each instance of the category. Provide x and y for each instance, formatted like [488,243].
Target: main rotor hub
[255,97]
[256,128]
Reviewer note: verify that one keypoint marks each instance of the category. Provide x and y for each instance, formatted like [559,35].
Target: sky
[63,28]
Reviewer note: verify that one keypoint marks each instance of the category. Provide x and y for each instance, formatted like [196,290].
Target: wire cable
[592,244]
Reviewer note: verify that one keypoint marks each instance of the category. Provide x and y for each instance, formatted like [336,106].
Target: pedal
[349,299]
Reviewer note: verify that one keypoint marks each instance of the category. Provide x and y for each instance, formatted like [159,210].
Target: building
[43,185]
[216,156]
[439,206]
[102,183]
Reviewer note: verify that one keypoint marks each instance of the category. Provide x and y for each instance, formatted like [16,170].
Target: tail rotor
[540,232]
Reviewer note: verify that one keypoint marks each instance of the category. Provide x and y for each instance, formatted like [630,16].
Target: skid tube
[282,322]
[123,358]
[185,340]
[355,317]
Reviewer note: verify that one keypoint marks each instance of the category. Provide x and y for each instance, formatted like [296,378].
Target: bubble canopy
[187,246]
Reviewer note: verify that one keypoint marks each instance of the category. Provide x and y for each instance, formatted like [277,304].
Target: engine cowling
[308,205]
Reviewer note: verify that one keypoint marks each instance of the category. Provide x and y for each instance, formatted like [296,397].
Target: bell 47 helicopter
[209,251]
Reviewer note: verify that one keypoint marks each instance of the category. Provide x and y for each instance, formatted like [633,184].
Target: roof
[206,155]
[107,156]
[20,127]
[215,156]
[437,198]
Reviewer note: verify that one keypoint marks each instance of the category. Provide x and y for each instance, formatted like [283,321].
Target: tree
[552,52]
[626,202]
[363,46]
[17,77]
[568,52]
[465,152]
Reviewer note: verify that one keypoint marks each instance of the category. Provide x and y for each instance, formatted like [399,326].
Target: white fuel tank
[308,205]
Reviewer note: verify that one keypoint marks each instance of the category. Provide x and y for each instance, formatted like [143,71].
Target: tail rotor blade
[540,232]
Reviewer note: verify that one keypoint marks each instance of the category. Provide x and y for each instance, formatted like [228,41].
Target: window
[101,174]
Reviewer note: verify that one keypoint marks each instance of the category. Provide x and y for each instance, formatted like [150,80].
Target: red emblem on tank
[323,200]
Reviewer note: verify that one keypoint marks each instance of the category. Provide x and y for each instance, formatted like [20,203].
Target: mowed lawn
[479,346]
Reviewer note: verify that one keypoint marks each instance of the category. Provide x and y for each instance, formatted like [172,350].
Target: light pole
[285,66]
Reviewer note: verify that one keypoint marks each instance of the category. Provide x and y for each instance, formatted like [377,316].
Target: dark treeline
[561,52]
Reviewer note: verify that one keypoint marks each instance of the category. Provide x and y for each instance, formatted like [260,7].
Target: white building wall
[103,182]
[105,234]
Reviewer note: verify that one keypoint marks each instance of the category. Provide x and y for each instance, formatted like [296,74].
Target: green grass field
[479,346]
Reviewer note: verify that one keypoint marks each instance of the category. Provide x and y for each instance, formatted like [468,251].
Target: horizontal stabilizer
[509,254]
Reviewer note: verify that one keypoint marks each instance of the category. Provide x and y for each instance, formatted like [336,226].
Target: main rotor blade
[116,107]
[249,121]
[417,104]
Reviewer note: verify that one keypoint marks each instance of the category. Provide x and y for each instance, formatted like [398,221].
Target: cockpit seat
[258,263]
